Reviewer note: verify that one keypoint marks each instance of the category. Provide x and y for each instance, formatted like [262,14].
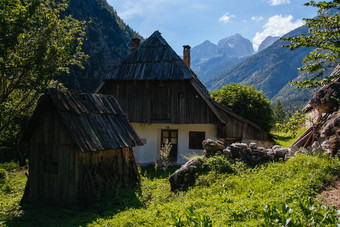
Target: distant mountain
[206,69]
[208,59]
[235,46]
[270,70]
[267,42]
[203,52]
[108,40]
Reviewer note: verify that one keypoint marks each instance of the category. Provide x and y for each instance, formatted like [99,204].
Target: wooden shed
[165,101]
[78,143]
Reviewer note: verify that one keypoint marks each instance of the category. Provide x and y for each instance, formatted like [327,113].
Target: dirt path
[332,195]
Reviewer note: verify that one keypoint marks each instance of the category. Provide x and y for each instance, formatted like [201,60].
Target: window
[196,139]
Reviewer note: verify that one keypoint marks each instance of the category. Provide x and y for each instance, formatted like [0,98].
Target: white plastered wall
[151,136]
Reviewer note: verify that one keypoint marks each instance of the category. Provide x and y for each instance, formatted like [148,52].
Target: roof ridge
[153,55]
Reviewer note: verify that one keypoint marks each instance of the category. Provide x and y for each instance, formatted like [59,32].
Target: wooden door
[170,136]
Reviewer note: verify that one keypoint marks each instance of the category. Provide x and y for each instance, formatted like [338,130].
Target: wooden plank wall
[168,101]
[105,170]
[52,161]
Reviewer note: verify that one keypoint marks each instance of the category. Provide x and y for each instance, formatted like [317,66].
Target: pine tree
[279,112]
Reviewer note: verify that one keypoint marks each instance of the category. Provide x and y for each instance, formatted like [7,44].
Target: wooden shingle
[95,122]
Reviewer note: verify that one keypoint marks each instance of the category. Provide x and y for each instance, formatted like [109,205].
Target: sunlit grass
[286,139]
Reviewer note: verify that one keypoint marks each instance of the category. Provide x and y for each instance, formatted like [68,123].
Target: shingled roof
[154,59]
[95,122]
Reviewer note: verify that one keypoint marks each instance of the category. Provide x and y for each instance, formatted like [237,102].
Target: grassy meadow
[225,194]
[275,194]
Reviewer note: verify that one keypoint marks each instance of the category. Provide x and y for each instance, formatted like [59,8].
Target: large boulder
[211,147]
[325,100]
[237,150]
[280,153]
[331,125]
[185,176]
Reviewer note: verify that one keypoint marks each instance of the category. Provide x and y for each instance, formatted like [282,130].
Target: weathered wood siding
[162,101]
[236,130]
[105,170]
[59,172]
[52,167]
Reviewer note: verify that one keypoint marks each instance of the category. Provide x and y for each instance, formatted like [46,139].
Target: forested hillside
[108,40]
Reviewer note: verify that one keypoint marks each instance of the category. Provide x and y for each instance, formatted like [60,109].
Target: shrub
[219,164]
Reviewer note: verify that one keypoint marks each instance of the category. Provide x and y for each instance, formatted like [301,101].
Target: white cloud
[276,26]
[257,18]
[226,17]
[278,2]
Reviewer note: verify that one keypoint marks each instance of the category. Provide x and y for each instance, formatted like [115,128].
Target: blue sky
[191,22]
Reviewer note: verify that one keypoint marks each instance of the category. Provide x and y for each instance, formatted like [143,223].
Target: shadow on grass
[76,215]
[86,212]
[151,172]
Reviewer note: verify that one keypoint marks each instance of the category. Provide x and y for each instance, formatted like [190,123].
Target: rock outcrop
[251,155]
[324,108]
[185,176]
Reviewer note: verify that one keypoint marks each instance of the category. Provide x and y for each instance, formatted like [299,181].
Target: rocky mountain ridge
[209,59]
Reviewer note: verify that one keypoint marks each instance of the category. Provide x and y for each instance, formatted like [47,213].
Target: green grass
[11,191]
[286,139]
[270,195]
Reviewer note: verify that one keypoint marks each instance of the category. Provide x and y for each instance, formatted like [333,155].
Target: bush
[246,101]
[219,164]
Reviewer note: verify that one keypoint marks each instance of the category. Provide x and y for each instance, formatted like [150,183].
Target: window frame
[195,140]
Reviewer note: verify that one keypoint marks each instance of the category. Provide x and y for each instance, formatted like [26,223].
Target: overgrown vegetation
[276,194]
[293,124]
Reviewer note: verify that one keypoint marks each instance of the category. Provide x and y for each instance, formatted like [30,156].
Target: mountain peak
[203,52]
[235,46]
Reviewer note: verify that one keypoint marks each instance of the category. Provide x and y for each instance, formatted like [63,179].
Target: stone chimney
[186,55]
[134,44]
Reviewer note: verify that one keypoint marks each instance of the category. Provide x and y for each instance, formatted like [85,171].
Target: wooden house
[78,144]
[165,101]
